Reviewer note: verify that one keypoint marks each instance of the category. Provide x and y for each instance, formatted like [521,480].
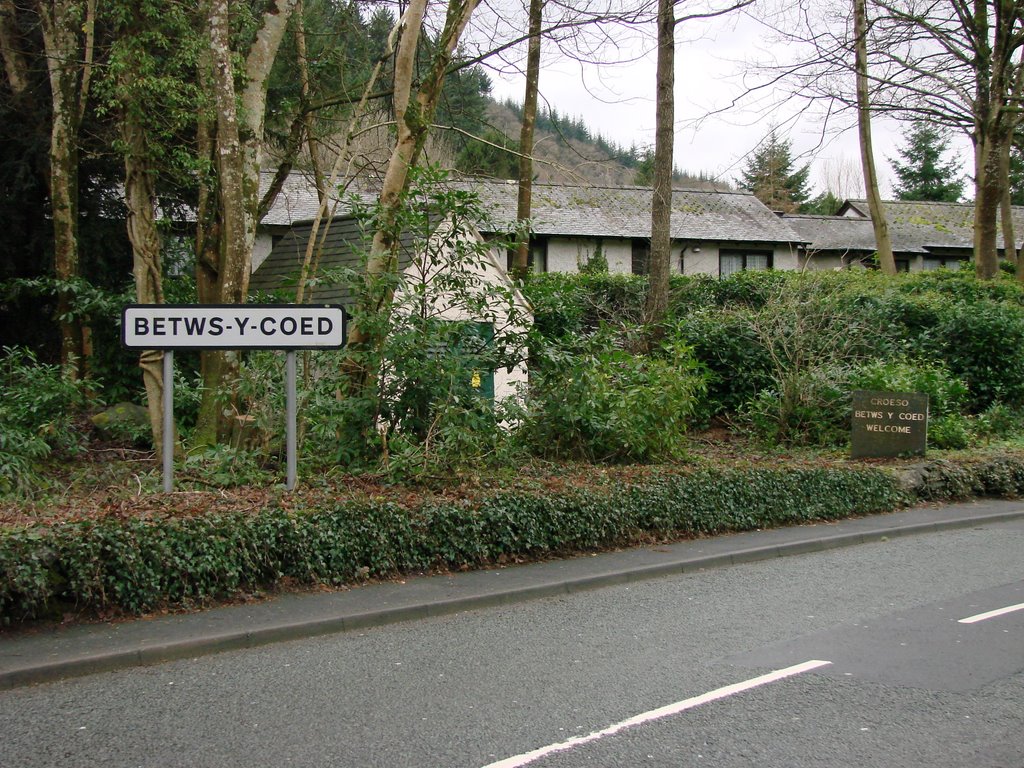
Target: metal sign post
[291,419]
[168,430]
[286,327]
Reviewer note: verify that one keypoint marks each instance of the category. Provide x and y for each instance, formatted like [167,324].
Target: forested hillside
[568,151]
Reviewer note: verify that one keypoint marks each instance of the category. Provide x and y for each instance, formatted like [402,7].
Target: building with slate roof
[714,231]
[924,235]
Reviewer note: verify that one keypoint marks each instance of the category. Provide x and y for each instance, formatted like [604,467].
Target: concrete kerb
[114,659]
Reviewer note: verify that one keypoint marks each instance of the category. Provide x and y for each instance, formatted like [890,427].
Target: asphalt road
[906,683]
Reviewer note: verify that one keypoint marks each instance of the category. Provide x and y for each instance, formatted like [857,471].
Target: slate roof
[915,227]
[574,211]
[298,202]
[697,214]
[834,233]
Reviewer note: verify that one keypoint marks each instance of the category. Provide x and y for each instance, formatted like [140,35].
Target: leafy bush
[983,344]
[432,356]
[946,393]
[814,410]
[228,466]
[752,289]
[781,349]
[605,404]
[962,286]
[999,421]
[566,305]
[36,417]
[811,341]
[952,432]
[739,366]
[113,368]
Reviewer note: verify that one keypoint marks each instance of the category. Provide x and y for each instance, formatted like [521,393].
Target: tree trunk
[525,200]
[311,257]
[997,85]
[15,64]
[988,195]
[307,115]
[878,219]
[61,22]
[1005,205]
[224,282]
[140,197]
[661,200]
[224,272]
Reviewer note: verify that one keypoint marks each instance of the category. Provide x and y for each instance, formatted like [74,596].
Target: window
[641,257]
[731,262]
[536,259]
[902,265]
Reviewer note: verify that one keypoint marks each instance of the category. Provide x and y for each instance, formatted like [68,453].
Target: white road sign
[233,326]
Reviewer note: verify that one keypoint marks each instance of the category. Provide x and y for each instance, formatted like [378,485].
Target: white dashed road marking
[992,614]
[657,714]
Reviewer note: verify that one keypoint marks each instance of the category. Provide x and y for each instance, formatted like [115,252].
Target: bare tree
[953,63]
[843,177]
[957,61]
[413,118]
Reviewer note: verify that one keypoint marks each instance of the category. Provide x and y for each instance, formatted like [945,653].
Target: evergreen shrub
[983,344]
[605,404]
[141,564]
[37,413]
[784,349]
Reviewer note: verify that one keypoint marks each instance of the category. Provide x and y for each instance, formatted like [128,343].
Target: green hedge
[139,565]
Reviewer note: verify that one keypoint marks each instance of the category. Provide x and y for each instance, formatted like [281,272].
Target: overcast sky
[618,103]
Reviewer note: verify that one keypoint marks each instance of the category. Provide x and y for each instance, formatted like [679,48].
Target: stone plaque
[889,424]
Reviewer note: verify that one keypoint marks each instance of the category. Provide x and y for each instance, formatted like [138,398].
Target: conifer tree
[770,176]
[923,174]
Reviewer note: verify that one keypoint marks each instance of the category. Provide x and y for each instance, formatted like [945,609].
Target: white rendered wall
[814,263]
[562,256]
[702,262]
[261,249]
[567,254]
[786,259]
[619,253]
